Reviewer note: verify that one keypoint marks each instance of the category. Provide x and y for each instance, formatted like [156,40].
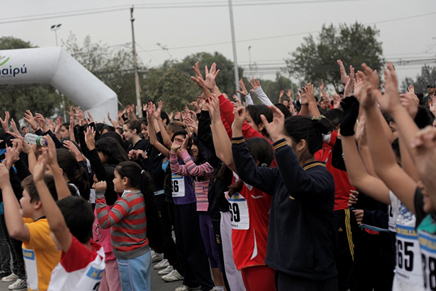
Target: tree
[16,98]
[315,60]
[173,87]
[113,66]
[427,77]
[226,77]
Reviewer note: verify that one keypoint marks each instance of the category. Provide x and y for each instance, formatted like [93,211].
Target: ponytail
[141,179]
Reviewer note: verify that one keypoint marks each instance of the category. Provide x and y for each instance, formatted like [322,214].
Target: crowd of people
[311,193]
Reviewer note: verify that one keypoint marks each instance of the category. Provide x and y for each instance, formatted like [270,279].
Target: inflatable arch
[55,66]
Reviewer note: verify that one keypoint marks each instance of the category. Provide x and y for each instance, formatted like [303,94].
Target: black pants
[190,247]
[169,247]
[344,257]
[287,282]
[16,251]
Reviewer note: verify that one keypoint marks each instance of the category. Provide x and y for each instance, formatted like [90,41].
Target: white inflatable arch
[55,66]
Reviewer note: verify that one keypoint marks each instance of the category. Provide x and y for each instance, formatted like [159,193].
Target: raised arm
[243,91]
[257,89]
[152,134]
[382,155]
[51,210]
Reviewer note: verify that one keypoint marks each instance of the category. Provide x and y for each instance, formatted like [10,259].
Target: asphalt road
[157,284]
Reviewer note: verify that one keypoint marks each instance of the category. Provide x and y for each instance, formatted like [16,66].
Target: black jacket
[301,234]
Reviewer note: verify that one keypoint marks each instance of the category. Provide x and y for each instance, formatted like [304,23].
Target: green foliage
[427,77]
[113,66]
[16,98]
[272,88]
[170,85]
[226,77]
[315,59]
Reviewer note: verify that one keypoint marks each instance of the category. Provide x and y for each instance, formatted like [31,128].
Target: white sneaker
[12,277]
[165,271]
[186,288]
[156,258]
[172,276]
[20,284]
[162,264]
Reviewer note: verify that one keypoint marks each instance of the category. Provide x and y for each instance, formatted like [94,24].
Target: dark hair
[283,109]
[134,124]
[112,149]
[176,126]
[29,185]
[180,132]
[66,125]
[396,147]
[119,130]
[423,117]
[144,121]
[164,116]
[262,151]
[78,216]
[311,130]
[109,128]
[334,116]
[74,171]
[256,111]
[141,179]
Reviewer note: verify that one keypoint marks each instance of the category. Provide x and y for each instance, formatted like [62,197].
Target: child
[129,222]
[82,261]
[40,254]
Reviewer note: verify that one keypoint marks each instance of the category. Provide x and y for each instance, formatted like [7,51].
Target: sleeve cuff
[279,144]
[99,194]
[238,140]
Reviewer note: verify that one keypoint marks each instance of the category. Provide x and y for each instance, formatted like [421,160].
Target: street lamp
[55,27]
[249,64]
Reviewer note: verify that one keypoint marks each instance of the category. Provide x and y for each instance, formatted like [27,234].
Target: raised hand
[391,99]
[14,126]
[236,102]
[90,138]
[239,113]
[191,124]
[348,89]
[255,84]
[303,97]
[41,121]
[360,79]
[185,143]
[243,90]
[178,142]
[73,149]
[90,117]
[289,94]
[40,167]
[28,117]
[213,105]
[344,76]
[275,127]
[5,122]
[424,146]
[11,156]
[410,101]
[321,86]
[211,76]
[100,186]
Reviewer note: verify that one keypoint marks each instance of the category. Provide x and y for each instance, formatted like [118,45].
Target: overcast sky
[272,28]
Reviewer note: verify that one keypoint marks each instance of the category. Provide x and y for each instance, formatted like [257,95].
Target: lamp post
[249,64]
[55,27]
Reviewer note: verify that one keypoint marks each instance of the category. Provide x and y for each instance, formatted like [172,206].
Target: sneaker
[20,284]
[156,258]
[165,271]
[12,277]
[217,288]
[172,276]
[186,288]
[4,274]
[162,264]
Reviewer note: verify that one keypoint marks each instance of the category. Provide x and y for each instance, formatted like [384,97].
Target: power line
[154,6]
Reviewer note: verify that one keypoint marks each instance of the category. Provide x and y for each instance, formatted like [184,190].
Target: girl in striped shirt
[202,173]
[132,219]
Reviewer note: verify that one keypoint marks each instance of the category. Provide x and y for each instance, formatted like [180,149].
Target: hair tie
[318,117]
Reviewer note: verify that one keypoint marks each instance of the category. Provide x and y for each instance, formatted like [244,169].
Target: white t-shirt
[79,269]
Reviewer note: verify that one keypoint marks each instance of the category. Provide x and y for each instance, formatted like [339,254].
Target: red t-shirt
[342,183]
[250,217]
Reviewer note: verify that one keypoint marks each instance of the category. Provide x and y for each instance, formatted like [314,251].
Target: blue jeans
[135,273]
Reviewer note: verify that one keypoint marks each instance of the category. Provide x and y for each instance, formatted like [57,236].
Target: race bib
[408,267]
[31,271]
[239,218]
[178,185]
[428,255]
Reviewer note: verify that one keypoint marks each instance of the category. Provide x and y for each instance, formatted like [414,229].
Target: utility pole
[135,64]
[235,59]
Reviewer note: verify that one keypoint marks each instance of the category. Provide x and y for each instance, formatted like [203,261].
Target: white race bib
[428,255]
[31,270]
[239,212]
[178,185]
[408,267]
